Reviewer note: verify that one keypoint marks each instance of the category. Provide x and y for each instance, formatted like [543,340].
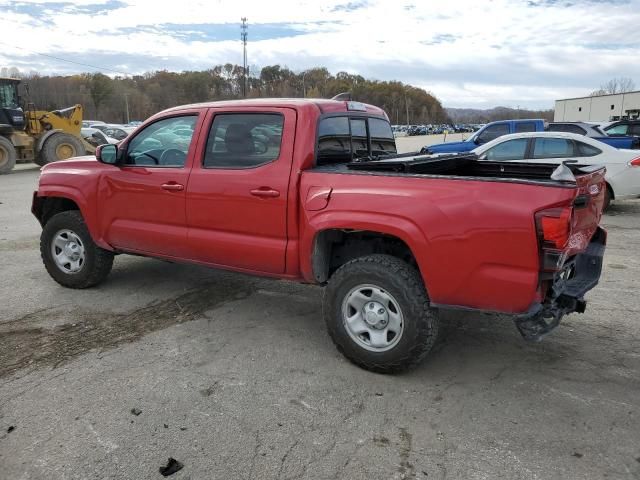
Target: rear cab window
[343,138]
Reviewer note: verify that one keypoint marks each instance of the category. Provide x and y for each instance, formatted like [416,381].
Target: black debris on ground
[183,428]
[577,455]
[136,411]
[11,428]
[166,426]
[171,467]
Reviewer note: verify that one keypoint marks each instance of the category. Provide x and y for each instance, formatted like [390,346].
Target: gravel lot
[236,378]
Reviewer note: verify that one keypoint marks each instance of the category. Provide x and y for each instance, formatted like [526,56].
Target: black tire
[97,261]
[404,284]
[60,146]
[608,195]
[7,156]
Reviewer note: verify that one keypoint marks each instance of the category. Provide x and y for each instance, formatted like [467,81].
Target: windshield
[8,95]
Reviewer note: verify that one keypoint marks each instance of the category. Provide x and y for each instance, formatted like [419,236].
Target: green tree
[100,88]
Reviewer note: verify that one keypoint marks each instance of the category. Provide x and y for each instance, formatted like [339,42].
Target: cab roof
[323,105]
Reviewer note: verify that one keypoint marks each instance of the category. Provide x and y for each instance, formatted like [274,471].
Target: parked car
[118,132]
[395,240]
[96,137]
[622,128]
[494,130]
[91,123]
[623,166]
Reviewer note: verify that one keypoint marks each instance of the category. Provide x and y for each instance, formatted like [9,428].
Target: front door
[142,202]
[237,192]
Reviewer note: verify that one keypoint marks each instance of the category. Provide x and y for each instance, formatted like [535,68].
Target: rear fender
[398,227]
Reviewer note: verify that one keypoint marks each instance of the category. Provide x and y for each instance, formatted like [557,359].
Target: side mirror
[107,154]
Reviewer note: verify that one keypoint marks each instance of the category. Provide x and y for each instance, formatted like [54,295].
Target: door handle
[172,187]
[266,192]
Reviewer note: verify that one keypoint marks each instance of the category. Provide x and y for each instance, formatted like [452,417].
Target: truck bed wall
[475,241]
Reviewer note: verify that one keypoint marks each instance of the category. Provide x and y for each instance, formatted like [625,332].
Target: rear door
[237,192]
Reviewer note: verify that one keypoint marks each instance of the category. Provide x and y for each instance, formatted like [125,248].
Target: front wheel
[378,315]
[69,253]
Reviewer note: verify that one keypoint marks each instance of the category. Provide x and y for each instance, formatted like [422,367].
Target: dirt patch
[85,330]
[29,243]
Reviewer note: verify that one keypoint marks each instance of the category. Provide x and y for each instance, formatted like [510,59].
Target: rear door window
[553,148]
[492,132]
[243,140]
[525,127]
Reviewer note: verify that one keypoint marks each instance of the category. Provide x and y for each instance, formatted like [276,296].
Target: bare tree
[615,85]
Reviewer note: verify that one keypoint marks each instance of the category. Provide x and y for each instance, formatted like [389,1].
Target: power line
[66,60]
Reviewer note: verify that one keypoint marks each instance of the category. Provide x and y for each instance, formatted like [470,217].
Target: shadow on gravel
[38,347]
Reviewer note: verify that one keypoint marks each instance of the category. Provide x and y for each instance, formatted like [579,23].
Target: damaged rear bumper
[566,293]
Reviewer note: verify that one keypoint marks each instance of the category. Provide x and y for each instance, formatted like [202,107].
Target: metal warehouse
[598,108]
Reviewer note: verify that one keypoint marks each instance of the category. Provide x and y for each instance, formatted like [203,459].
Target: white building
[600,108]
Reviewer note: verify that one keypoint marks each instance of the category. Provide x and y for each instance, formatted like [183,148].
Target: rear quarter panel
[475,241]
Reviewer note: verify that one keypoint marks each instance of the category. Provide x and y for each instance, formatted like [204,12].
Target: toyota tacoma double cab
[314,191]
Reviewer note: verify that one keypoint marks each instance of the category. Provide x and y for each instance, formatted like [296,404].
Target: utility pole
[406,105]
[243,36]
[126,103]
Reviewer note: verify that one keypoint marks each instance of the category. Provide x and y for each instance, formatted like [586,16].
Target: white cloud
[468,53]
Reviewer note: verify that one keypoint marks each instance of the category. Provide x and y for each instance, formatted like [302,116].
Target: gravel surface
[235,378]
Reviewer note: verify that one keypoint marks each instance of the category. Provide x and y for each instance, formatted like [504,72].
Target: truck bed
[457,166]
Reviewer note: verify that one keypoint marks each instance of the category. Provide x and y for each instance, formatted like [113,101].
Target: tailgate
[587,208]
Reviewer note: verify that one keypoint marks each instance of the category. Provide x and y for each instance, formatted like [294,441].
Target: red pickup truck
[314,191]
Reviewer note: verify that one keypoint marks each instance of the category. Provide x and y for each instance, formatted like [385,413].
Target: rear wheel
[60,146]
[7,156]
[69,253]
[378,315]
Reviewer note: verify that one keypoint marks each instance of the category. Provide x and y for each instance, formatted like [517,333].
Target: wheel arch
[47,202]
[335,245]
[611,191]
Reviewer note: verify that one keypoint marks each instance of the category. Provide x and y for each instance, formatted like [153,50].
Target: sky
[474,54]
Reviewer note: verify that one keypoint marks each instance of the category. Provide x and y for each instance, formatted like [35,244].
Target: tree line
[137,97]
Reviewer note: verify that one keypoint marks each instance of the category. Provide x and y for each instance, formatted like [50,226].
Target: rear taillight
[554,227]
[635,162]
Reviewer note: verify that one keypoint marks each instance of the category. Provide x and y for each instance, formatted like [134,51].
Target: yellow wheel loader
[36,136]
